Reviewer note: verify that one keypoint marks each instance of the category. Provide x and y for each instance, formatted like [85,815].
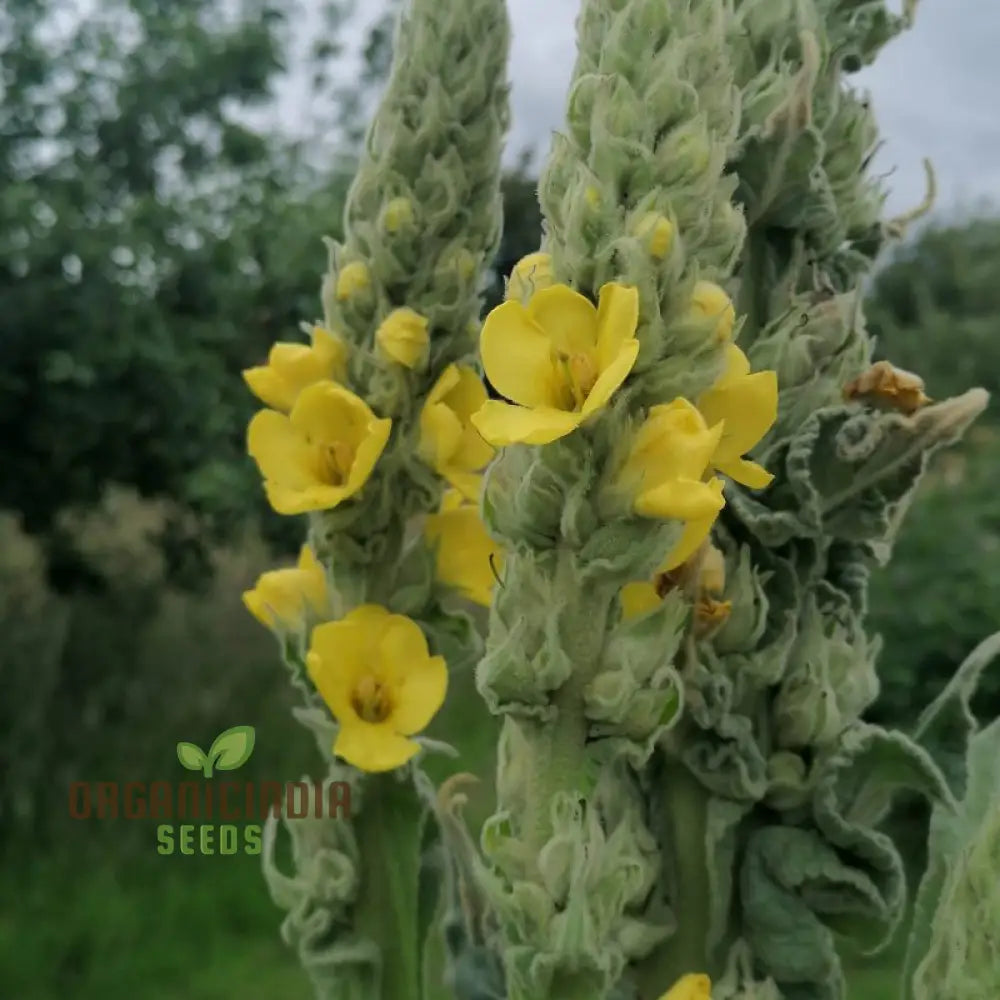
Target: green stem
[751,302]
[388,831]
[681,806]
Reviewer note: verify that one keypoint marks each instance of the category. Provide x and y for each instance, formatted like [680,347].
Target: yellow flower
[352,279]
[530,274]
[748,406]
[283,598]
[375,673]
[449,443]
[694,986]
[321,453]
[464,548]
[709,301]
[658,232]
[560,358]
[291,367]
[403,337]
[398,213]
[667,462]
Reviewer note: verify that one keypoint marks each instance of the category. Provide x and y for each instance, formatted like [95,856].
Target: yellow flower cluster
[559,359]
[316,447]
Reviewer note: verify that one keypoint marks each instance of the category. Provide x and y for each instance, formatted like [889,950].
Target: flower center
[370,700]
[336,460]
[580,373]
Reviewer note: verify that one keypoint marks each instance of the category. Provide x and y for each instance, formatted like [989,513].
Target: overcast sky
[936,91]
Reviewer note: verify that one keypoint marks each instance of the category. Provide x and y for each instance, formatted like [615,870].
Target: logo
[229,751]
[235,804]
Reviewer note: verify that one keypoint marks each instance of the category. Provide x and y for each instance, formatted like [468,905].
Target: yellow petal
[269,387]
[467,394]
[695,532]
[468,484]
[472,453]
[367,455]
[340,652]
[709,301]
[291,501]
[617,319]
[281,453]
[567,317]
[313,577]
[683,499]
[374,748]
[440,434]
[332,350]
[638,598]
[742,470]
[463,550]
[749,406]
[403,337]
[419,694]
[517,357]
[611,378]
[694,986]
[673,442]
[529,275]
[326,412]
[502,424]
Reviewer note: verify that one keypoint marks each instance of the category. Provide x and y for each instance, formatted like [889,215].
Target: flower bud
[658,233]
[403,337]
[352,279]
[709,301]
[397,214]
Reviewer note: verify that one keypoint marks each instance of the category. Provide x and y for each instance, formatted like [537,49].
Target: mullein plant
[671,514]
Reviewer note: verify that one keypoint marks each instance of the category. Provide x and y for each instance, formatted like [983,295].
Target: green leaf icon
[191,756]
[232,748]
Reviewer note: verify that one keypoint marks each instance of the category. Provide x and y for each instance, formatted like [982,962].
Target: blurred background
[167,169]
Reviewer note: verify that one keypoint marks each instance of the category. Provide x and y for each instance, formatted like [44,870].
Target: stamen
[371,700]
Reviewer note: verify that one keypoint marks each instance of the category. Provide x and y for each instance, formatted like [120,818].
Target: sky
[935,91]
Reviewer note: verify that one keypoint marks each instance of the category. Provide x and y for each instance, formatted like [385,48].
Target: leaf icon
[232,748]
[191,756]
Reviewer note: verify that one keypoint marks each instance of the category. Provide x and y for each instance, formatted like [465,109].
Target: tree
[152,244]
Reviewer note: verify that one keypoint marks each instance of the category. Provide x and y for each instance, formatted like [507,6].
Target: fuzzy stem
[681,807]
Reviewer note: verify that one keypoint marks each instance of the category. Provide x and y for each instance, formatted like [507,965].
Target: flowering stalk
[608,348]
[771,789]
[365,427]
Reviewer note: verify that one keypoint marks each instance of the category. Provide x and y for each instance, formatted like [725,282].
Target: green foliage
[151,246]
[935,308]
